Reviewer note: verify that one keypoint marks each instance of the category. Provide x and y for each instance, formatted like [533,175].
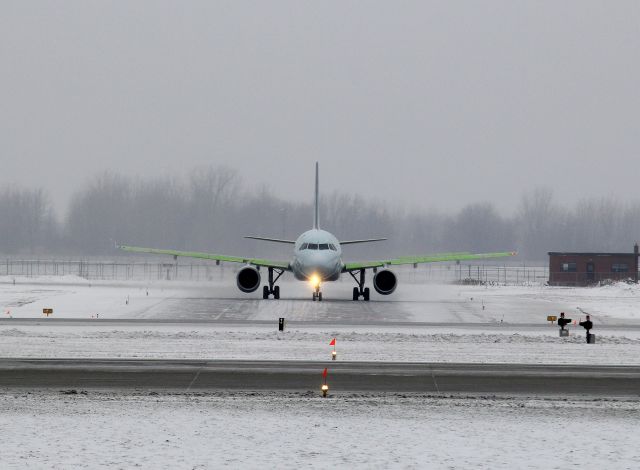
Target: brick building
[582,269]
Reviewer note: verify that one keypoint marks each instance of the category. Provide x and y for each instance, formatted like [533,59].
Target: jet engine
[385,282]
[248,279]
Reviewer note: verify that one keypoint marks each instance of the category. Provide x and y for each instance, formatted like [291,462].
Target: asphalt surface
[192,375]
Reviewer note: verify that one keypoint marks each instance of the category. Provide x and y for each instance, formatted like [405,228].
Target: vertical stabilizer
[316,214]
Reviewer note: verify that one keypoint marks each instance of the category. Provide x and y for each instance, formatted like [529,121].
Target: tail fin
[316,218]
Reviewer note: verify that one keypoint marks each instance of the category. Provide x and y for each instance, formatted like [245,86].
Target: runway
[437,378]
[431,303]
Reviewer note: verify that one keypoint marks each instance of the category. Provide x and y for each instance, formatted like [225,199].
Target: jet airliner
[317,258]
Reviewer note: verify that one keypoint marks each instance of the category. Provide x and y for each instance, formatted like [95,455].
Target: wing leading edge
[211,256]
[462,256]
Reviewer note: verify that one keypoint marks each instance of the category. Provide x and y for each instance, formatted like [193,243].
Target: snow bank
[499,344]
[286,430]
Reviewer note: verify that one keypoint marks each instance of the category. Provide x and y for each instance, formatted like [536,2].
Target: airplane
[317,258]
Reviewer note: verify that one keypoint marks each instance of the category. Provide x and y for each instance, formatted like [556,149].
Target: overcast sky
[425,103]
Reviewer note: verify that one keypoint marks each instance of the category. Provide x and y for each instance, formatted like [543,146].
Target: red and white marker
[334,354]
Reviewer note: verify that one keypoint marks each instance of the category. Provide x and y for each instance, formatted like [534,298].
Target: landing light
[314,280]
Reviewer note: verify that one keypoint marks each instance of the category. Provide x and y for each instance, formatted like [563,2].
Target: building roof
[568,253]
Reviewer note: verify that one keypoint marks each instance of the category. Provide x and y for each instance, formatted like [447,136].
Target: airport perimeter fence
[564,278]
[99,269]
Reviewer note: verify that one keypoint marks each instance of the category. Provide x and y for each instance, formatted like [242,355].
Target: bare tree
[210,210]
[100,214]
[541,224]
[27,222]
[212,192]
[478,227]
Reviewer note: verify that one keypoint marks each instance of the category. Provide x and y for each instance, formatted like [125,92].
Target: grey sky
[426,103]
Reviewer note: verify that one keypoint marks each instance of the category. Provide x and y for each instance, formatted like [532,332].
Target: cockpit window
[324,246]
[332,247]
[304,246]
[313,246]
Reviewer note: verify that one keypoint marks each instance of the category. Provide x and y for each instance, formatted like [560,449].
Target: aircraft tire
[319,296]
[265,292]
[276,292]
[366,294]
[356,293]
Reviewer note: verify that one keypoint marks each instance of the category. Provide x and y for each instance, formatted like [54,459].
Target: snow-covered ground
[499,344]
[73,297]
[291,430]
[504,307]
[287,430]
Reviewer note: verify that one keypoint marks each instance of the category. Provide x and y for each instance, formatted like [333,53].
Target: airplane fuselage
[317,255]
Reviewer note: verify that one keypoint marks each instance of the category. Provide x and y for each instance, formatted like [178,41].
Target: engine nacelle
[385,282]
[248,279]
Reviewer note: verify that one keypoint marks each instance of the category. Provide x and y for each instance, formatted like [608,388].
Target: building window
[620,268]
[569,267]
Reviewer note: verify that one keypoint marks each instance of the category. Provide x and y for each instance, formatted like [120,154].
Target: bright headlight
[314,280]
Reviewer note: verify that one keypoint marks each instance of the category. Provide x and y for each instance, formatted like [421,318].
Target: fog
[211,209]
[427,107]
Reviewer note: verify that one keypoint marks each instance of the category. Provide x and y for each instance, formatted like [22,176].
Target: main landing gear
[361,290]
[272,289]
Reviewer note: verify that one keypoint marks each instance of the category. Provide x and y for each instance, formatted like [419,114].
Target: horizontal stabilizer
[275,240]
[353,242]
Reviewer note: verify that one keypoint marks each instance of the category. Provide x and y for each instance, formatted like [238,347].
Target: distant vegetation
[211,209]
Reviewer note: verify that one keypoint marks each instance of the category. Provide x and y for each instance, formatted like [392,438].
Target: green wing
[194,254]
[461,256]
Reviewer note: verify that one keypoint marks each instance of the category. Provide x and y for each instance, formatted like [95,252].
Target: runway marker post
[562,322]
[325,387]
[334,353]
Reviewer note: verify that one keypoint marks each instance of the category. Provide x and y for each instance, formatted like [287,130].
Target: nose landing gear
[360,291]
[317,295]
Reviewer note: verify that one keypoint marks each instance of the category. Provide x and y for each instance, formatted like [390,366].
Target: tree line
[210,209]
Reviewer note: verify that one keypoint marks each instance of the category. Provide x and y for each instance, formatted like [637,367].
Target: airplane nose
[321,263]
[321,269]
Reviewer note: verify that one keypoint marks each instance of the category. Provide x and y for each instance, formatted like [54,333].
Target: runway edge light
[334,353]
[325,387]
